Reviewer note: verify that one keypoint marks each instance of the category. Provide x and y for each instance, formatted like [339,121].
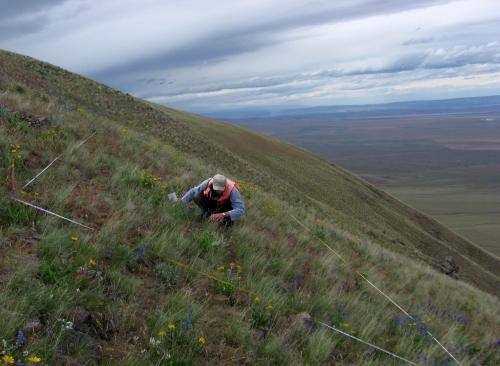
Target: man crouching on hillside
[219,198]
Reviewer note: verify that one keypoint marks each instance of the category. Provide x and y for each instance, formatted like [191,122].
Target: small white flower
[154,342]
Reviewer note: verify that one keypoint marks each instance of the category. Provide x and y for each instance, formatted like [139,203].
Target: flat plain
[446,165]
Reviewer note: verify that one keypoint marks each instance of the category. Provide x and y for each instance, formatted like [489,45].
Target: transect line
[44,169]
[367,343]
[57,158]
[214,278]
[206,274]
[52,213]
[185,266]
[373,285]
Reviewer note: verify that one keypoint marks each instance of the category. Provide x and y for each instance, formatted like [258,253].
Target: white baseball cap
[219,182]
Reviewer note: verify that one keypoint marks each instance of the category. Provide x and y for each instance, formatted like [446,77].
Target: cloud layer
[263,53]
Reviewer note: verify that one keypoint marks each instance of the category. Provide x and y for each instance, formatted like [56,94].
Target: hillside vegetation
[153,284]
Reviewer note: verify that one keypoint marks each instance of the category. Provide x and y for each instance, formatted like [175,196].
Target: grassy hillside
[121,294]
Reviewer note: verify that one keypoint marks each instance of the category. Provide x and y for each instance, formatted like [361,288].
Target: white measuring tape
[338,255]
[367,343]
[52,213]
[57,158]
[375,287]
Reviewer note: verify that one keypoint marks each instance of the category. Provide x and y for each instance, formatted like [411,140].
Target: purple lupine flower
[20,363]
[402,320]
[423,359]
[297,280]
[497,343]
[186,323]
[422,327]
[20,339]
[141,251]
[460,318]
[285,347]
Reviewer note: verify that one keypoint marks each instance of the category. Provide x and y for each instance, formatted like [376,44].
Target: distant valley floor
[446,165]
[473,214]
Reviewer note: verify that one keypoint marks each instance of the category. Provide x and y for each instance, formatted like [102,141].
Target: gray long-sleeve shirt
[236,201]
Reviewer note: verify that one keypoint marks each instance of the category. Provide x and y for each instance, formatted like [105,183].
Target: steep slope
[356,205]
[117,183]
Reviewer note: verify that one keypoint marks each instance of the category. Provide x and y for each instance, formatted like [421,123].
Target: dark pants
[209,207]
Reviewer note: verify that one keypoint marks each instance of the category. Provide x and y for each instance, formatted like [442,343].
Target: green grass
[116,296]
[480,221]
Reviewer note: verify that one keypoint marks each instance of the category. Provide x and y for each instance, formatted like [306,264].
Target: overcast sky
[203,55]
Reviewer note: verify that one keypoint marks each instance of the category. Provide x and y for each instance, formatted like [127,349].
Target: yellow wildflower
[257,299]
[74,238]
[8,359]
[92,262]
[171,326]
[202,340]
[220,269]
[269,307]
[161,333]
[232,264]
[346,325]
[34,359]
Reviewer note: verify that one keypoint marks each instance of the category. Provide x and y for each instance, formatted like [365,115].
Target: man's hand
[217,217]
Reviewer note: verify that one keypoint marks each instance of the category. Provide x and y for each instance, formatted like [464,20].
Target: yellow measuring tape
[207,275]
[244,290]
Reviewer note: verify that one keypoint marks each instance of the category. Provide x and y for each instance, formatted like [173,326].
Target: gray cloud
[18,18]
[152,81]
[451,59]
[259,52]
[15,9]
[414,41]
[197,53]
[251,37]
[22,27]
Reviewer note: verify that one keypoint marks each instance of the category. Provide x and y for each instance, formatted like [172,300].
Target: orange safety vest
[227,191]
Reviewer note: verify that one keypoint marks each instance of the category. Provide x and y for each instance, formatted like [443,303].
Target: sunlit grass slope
[116,295]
